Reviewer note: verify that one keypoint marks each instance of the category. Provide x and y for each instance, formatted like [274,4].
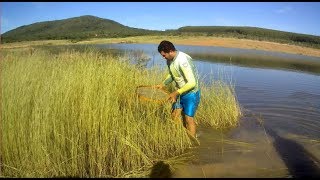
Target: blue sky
[298,17]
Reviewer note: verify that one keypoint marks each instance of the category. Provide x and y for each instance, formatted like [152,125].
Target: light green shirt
[184,73]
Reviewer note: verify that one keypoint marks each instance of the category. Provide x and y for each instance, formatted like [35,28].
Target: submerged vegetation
[73,113]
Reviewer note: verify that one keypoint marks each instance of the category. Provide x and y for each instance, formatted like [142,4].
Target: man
[186,97]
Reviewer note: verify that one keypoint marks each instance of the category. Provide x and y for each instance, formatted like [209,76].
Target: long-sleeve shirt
[184,73]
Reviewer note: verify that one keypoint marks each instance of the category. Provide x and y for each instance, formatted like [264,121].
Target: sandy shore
[251,44]
[217,41]
[200,41]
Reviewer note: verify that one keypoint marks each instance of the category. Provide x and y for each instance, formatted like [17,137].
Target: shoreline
[185,40]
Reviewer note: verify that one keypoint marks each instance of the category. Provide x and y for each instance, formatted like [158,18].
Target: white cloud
[283,10]
[4,21]
[224,22]
[282,27]
[40,5]
[4,24]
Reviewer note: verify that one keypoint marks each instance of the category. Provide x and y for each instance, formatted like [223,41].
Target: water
[279,135]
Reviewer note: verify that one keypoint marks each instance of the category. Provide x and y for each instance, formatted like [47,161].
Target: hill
[72,28]
[254,33]
[86,27]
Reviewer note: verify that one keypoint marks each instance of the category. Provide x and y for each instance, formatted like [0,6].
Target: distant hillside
[73,28]
[255,34]
[84,27]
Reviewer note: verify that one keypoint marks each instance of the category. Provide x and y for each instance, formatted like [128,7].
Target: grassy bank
[75,114]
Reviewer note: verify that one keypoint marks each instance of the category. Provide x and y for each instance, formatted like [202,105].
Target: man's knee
[189,120]
[176,114]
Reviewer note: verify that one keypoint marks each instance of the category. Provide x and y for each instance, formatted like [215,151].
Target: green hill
[73,28]
[84,27]
[254,33]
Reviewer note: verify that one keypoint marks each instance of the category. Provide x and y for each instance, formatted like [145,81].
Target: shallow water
[279,135]
[287,103]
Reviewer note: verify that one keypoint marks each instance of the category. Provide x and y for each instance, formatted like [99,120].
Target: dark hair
[166,46]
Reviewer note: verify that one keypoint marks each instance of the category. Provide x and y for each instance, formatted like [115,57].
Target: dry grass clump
[76,114]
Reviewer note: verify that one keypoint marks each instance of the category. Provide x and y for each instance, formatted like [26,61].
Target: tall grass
[75,114]
[219,107]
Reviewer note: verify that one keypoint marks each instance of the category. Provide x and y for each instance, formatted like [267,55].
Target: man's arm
[165,82]
[168,80]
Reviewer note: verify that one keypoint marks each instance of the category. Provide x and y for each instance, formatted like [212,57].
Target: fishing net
[152,94]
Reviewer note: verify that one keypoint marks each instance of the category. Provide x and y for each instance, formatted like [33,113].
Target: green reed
[219,107]
[75,114]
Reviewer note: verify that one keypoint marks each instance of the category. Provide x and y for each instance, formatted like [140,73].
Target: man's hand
[159,86]
[173,96]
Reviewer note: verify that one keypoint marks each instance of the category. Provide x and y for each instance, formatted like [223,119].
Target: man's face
[168,56]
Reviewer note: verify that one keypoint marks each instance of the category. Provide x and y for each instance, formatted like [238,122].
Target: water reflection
[263,61]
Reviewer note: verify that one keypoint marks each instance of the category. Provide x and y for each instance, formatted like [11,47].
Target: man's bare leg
[190,125]
[188,122]
[176,115]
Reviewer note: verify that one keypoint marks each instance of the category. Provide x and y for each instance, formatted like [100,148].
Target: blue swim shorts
[188,102]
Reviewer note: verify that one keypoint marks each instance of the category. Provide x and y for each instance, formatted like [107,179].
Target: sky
[297,17]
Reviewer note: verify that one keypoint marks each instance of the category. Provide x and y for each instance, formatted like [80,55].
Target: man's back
[184,72]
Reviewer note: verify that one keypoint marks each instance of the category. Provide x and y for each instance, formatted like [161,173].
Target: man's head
[167,50]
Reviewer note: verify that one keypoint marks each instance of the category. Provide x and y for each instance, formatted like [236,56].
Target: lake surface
[279,135]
